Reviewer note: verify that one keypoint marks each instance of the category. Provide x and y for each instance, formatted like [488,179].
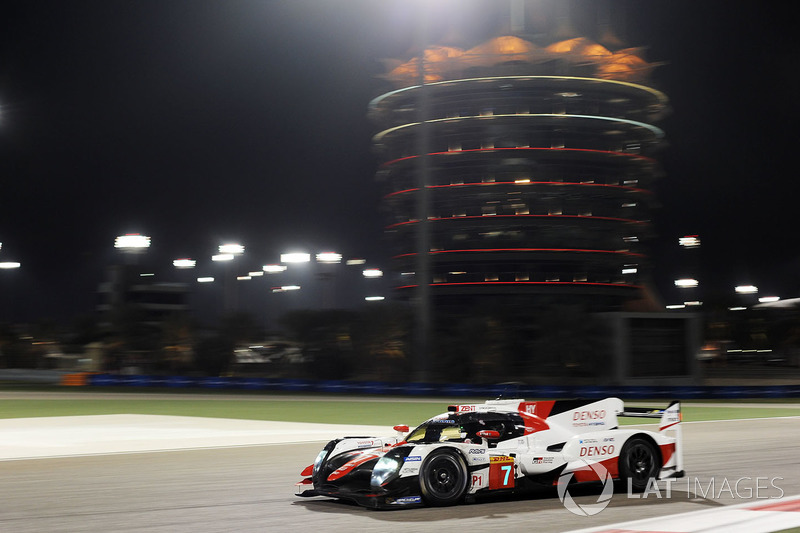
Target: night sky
[200,122]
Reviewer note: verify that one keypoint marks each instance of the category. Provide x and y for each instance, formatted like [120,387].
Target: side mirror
[488,434]
[401,430]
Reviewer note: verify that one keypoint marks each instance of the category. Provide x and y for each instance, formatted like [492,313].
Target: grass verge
[323,410]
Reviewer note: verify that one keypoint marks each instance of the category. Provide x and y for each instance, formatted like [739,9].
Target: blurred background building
[128,293]
[540,167]
[519,173]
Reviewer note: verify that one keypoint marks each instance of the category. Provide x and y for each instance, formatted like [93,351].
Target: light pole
[9,265]
[327,276]
[227,253]
[132,245]
[747,294]
[298,259]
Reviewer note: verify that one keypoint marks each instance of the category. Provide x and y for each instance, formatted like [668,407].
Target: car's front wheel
[638,463]
[443,478]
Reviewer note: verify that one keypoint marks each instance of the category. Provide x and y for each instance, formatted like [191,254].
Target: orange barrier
[79,379]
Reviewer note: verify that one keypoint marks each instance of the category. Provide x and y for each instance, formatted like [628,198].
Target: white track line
[759,516]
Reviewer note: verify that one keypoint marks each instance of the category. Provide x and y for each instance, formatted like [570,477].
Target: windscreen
[462,428]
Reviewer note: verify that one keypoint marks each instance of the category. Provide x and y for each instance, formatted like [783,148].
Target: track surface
[250,488]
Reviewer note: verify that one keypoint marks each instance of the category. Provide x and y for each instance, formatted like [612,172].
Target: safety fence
[446,390]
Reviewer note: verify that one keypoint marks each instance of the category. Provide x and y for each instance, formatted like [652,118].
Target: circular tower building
[538,166]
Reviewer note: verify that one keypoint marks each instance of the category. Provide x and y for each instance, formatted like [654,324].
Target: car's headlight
[384,470]
[318,461]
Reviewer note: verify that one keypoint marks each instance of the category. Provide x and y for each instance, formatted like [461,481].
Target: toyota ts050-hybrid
[501,445]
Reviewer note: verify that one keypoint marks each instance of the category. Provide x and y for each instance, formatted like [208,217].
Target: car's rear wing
[670,416]
[670,420]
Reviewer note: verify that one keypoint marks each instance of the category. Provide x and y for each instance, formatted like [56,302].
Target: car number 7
[507,468]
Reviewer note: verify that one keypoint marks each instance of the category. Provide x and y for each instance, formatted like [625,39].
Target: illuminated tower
[540,169]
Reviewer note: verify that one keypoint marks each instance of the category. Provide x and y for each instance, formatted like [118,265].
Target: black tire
[639,462]
[443,478]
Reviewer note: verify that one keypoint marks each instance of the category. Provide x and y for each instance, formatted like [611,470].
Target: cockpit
[465,427]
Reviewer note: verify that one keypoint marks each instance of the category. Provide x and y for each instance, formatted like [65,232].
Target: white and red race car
[500,445]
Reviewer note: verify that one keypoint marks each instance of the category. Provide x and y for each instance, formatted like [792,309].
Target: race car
[500,445]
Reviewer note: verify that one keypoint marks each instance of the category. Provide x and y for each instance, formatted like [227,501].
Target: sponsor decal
[411,458]
[477,451]
[589,415]
[501,473]
[466,408]
[596,441]
[405,500]
[366,443]
[670,417]
[542,460]
[594,451]
[410,470]
[589,418]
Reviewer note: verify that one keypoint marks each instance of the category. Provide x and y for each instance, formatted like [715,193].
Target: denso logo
[589,415]
[592,451]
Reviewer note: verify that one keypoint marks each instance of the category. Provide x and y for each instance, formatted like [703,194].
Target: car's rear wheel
[639,462]
[443,478]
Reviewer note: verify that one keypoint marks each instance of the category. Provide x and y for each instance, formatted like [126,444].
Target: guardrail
[445,389]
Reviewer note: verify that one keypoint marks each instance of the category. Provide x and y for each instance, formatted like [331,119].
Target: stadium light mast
[132,243]
[227,253]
